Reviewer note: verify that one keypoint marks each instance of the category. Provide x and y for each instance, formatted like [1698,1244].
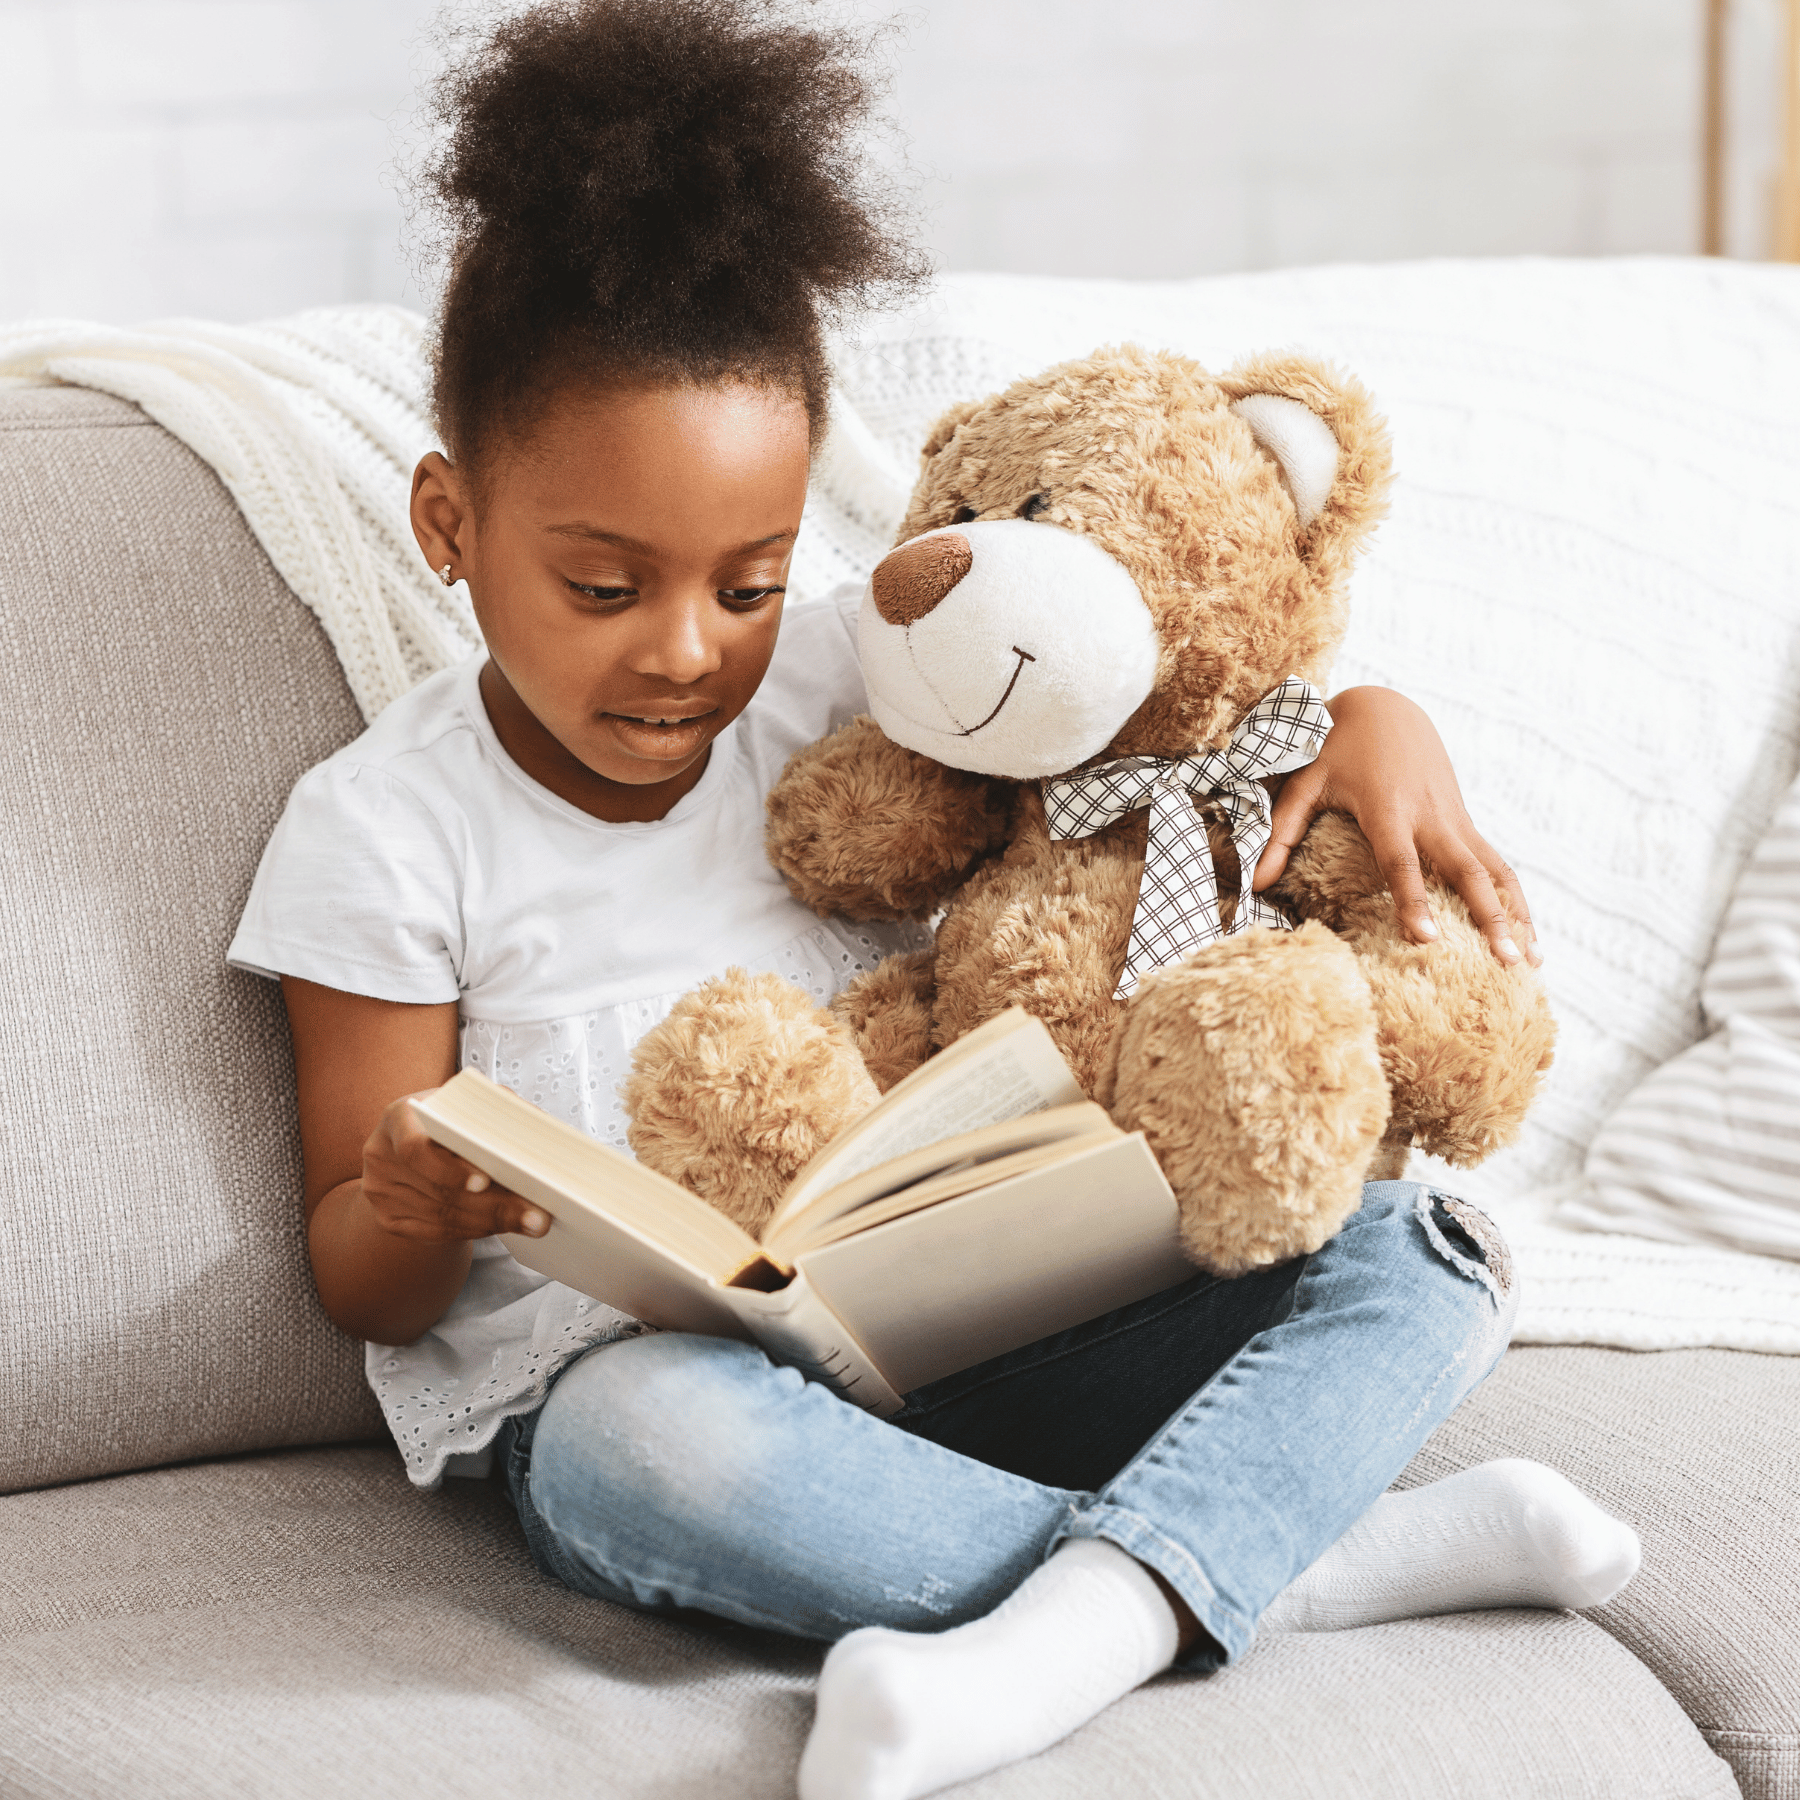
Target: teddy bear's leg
[1465,1039]
[1252,1070]
[888,1015]
[737,1089]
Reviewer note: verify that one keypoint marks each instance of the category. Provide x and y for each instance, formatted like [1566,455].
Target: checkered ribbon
[1178,897]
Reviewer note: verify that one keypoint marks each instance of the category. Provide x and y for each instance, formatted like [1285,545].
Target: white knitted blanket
[1591,578]
[314,424]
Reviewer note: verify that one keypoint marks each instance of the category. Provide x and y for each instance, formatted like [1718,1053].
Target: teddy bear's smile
[1024,657]
[953,619]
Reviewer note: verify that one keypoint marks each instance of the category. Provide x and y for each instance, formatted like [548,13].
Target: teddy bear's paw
[1465,1039]
[887,1011]
[1252,1069]
[860,826]
[739,1087]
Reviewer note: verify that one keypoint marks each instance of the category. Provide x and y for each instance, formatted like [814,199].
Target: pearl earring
[446,577]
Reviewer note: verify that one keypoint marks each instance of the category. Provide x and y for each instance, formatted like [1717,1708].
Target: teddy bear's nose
[911,580]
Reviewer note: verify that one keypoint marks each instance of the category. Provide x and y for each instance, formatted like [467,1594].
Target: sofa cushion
[164,690]
[304,1623]
[1700,1450]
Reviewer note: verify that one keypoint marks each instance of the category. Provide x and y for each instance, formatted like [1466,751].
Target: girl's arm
[1385,765]
[390,1215]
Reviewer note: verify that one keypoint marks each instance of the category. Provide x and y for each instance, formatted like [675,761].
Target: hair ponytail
[651,189]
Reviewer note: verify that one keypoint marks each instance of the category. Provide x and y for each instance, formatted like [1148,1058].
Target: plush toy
[1089,658]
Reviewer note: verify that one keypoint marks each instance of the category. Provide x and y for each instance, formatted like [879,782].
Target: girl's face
[627,563]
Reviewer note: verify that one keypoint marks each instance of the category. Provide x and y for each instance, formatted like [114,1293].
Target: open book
[983,1204]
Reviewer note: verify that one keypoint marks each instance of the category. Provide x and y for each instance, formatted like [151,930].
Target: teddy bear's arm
[1464,1039]
[860,827]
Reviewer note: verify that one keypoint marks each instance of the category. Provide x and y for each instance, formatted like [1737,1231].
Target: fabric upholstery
[303,1624]
[164,690]
[1700,1450]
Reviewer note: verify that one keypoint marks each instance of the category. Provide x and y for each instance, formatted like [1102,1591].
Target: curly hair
[651,190]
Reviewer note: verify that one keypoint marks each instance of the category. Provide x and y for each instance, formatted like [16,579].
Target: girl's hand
[417,1189]
[1385,765]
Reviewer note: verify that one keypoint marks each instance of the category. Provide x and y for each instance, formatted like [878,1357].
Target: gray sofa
[214,1578]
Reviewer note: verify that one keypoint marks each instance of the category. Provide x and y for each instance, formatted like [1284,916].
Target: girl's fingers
[420,1190]
[1463,870]
[1302,794]
[1398,859]
[524,1218]
[1512,893]
[448,1215]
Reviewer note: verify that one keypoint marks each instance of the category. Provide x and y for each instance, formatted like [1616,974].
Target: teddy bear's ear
[945,429]
[1321,426]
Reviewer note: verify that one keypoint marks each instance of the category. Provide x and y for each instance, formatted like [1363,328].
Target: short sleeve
[359,890]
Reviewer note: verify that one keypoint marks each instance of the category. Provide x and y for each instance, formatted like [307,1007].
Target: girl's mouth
[660,737]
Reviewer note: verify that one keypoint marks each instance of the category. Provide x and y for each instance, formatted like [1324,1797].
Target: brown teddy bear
[1089,659]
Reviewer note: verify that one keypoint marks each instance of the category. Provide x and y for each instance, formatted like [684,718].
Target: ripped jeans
[1225,1433]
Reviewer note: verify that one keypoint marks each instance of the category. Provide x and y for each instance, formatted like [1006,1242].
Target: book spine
[799,1331]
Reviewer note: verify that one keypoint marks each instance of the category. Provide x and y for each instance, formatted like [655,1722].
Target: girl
[523,862]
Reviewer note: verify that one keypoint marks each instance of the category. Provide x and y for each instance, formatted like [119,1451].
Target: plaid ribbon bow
[1178,897]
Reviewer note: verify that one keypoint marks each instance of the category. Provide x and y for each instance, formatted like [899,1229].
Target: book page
[893,1181]
[940,1290]
[952,1184]
[1005,1069]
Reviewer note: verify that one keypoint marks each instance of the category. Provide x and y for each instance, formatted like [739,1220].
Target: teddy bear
[1090,657]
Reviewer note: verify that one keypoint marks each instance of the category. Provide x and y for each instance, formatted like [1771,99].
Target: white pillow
[1707,1149]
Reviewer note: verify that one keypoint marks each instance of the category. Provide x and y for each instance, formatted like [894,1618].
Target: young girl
[524,862]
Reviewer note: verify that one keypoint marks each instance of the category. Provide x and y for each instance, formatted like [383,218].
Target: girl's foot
[1507,1533]
[903,1714]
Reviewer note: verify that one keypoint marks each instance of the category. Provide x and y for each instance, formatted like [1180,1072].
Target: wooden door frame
[1786,237]
[1714,136]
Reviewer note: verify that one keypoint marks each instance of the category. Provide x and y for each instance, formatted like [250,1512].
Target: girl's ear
[439,511]
[1321,425]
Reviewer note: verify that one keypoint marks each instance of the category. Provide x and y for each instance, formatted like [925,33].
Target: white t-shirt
[422,864]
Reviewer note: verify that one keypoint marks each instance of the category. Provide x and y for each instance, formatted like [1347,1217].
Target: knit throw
[313,423]
[1178,897]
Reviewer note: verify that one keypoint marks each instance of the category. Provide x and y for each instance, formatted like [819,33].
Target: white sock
[1507,1533]
[904,1713]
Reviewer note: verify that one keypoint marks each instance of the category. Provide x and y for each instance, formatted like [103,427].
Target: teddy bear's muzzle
[1005,647]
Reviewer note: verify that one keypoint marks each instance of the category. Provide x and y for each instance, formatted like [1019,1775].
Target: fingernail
[1507,948]
[477,1183]
[535,1224]
[1426,929]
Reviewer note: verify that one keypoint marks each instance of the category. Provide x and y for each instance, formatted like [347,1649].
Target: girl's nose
[680,647]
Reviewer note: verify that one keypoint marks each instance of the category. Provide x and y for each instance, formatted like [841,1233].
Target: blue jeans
[1225,1433]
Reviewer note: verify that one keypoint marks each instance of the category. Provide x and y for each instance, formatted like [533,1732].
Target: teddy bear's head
[1122,556]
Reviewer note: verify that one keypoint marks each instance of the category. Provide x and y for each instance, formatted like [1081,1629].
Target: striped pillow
[1707,1150]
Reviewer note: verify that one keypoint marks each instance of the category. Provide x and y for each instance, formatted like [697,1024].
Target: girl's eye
[608,596]
[748,597]
[964,515]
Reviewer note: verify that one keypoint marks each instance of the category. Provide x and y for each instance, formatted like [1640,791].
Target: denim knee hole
[1469,1241]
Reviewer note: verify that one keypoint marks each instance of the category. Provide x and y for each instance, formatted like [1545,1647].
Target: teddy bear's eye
[964,515]
[1033,507]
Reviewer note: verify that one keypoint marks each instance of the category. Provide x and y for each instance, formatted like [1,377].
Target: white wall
[228,156]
